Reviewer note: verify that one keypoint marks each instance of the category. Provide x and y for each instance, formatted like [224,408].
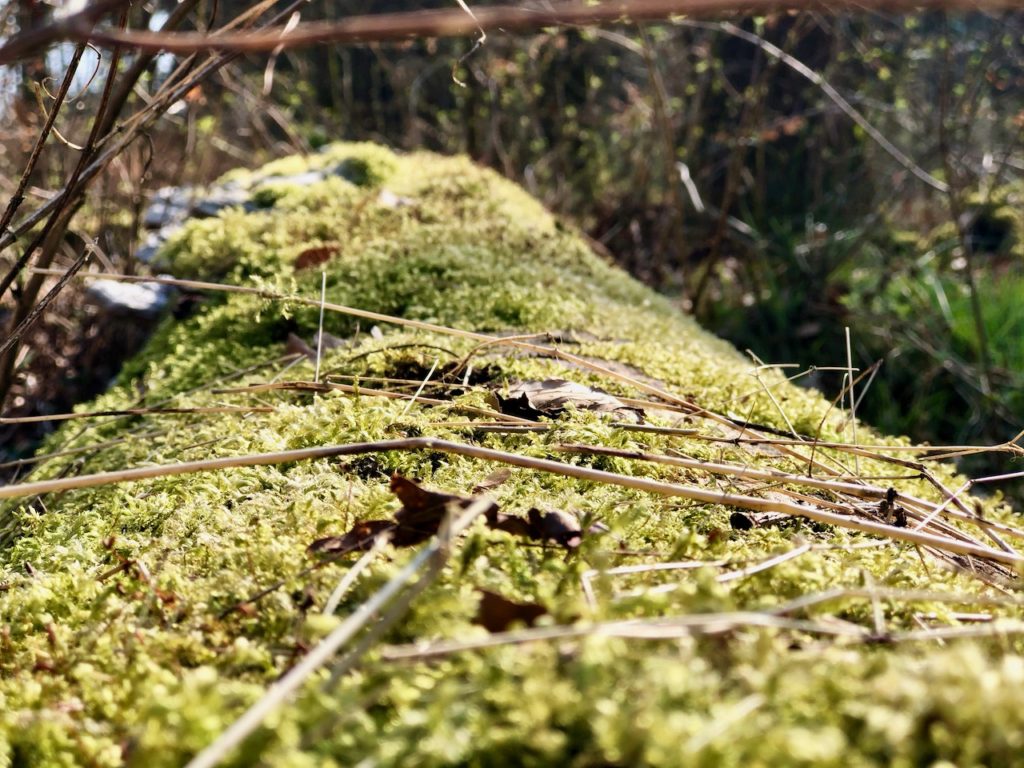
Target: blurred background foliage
[692,154]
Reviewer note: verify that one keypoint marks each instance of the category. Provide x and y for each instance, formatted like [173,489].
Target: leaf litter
[532,399]
[423,511]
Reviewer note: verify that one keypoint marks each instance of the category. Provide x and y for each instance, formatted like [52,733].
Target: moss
[114,649]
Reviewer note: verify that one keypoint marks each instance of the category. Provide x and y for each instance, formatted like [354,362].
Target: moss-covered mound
[123,640]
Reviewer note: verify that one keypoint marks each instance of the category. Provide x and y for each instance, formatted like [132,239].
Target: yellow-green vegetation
[113,646]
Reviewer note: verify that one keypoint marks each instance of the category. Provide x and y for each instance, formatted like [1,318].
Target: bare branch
[455,23]
[647,485]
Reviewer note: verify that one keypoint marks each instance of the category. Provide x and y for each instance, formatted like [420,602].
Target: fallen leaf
[517,526]
[530,399]
[331,341]
[556,525]
[359,537]
[311,257]
[493,480]
[421,515]
[422,511]
[497,613]
[296,345]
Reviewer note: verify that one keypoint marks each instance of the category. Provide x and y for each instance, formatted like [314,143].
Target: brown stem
[667,135]
[647,485]
[954,198]
[455,22]
[19,194]
[50,238]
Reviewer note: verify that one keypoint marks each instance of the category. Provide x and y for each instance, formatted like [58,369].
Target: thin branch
[130,129]
[31,41]
[837,98]
[28,311]
[662,628]
[19,194]
[453,22]
[941,543]
[137,412]
[691,624]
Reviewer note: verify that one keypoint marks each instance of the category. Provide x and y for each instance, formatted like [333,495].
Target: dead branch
[850,522]
[454,22]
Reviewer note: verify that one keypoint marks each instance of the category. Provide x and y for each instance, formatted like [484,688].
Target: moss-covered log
[123,640]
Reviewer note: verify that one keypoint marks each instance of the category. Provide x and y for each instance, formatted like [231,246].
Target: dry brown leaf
[422,511]
[530,399]
[745,521]
[421,515]
[556,525]
[359,537]
[517,526]
[311,257]
[493,480]
[497,613]
[296,345]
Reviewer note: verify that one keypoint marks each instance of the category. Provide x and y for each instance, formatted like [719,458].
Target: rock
[299,179]
[153,241]
[146,299]
[170,205]
[223,197]
[389,199]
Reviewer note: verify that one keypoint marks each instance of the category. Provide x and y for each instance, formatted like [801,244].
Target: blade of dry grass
[137,412]
[850,522]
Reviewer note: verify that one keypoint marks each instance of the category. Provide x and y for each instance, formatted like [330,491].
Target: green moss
[114,650]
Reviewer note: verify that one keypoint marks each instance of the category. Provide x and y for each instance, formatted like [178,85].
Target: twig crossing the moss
[851,522]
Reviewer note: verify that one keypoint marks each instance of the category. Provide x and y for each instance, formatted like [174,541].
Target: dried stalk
[138,412]
[940,543]
[19,194]
[455,23]
[718,622]
[858,490]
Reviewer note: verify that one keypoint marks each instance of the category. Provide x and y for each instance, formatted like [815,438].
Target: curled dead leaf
[360,537]
[531,399]
[497,613]
[517,526]
[553,525]
[556,525]
[296,345]
[493,480]
[745,521]
[422,510]
[421,515]
[312,257]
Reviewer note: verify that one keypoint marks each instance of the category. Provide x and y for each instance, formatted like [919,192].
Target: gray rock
[144,299]
[389,199]
[219,198]
[154,241]
[169,205]
[299,179]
